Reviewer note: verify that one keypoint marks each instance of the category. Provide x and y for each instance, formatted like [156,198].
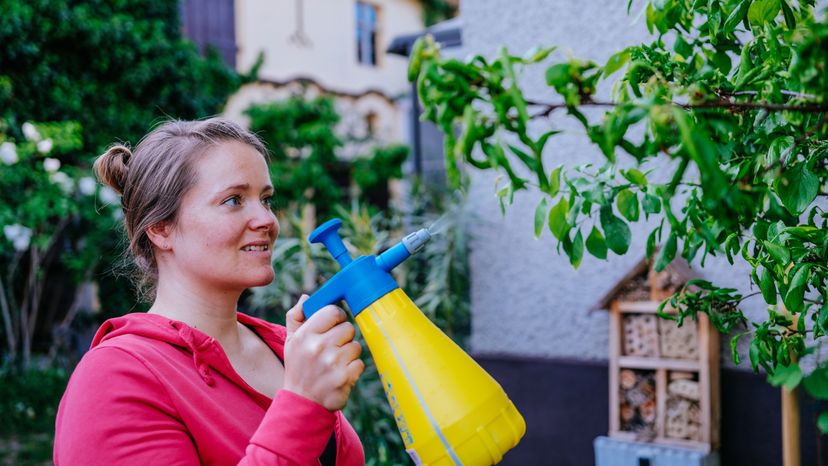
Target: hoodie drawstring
[202,367]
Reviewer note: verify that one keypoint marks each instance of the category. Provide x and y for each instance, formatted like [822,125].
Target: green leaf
[540,217]
[734,345]
[736,16]
[537,54]
[651,204]
[786,376]
[667,253]
[767,285]
[557,219]
[731,246]
[635,177]
[627,203]
[817,383]
[794,298]
[555,181]
[779,147]
[762,11]
[778,253]
[558,75]
[502,196]
[541,142]
[790,20]
[616,62]
[652,241]
[797,188]
[596,244]
[616,230]
[822,318]
[822,422]
[755,354]
[576,250]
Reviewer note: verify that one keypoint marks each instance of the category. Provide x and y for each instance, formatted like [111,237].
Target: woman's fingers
[354,370]
[295,317]
[325,319]
[342,333]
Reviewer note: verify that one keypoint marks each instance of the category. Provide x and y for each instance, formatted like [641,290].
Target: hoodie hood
[206,352]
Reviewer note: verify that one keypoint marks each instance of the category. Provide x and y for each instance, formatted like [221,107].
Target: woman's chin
[263,280]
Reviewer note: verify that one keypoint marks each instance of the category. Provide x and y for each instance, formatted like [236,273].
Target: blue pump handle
[328,234]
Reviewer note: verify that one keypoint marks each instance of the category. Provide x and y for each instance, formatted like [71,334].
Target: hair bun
[111,167]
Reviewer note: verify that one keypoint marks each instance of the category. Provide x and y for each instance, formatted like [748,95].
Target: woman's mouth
[257,247]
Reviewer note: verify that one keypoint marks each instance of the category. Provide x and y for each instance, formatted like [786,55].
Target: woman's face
[224,234]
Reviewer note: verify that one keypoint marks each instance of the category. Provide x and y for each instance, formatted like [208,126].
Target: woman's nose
[263,218]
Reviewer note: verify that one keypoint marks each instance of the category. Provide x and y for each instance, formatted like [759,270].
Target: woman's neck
[209,310]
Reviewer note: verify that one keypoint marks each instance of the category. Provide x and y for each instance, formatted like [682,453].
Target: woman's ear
[160,235]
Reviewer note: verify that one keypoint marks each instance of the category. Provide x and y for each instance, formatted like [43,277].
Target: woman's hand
[321,357]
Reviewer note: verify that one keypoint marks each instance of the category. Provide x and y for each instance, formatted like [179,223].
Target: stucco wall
[527,299]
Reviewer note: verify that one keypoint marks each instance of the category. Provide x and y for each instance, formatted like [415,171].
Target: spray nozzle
[364,280]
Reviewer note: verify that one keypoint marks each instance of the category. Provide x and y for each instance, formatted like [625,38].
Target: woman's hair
[154,177]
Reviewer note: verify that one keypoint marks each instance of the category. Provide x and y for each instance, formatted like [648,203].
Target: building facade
[334,48]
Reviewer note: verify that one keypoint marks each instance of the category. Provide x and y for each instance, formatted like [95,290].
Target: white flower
[8,153]
[64,182]
[86,186]
[30,132]
[118,214]
[19,236]
[109,196]
[44,146]
[51,165]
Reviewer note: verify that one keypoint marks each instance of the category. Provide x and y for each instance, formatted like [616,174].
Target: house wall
[326,53]
[526,298]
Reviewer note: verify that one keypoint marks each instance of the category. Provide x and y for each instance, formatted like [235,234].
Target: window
[366,33]
[211,23]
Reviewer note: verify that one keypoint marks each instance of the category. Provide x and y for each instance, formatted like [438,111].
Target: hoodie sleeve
[308,438]
[115,411]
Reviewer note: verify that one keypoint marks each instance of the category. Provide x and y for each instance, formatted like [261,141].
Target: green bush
[87,74]
[29,400]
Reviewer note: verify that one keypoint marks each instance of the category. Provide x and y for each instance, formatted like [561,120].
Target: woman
[194,381]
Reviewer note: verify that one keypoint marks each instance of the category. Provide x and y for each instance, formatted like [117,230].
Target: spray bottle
[449,411]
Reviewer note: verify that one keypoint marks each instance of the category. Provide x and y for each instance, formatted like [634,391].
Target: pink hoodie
[156,391]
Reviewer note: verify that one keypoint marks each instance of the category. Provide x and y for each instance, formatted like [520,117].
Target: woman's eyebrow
[245,187]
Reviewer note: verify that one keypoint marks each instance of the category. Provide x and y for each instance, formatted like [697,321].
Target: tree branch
[548,108]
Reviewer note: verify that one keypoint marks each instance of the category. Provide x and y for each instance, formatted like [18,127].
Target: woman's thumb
[295,317]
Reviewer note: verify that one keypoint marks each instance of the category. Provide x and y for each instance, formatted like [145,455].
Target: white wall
[526,298]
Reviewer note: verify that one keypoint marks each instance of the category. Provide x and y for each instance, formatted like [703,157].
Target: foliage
[435,11]
[306,165]
[731,94]
[29,400]
[127,67]
[43,202]
[300,135]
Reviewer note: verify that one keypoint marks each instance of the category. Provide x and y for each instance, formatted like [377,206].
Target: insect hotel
[663,379]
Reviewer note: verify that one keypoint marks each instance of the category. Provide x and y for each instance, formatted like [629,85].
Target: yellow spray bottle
[449,411]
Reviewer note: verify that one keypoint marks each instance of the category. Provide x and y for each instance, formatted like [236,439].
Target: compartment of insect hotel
[663,378]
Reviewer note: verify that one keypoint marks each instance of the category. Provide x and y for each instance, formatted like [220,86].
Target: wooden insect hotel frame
[663,379]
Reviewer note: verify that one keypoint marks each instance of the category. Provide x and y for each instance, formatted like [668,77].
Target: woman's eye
[232,201]
[268,201]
